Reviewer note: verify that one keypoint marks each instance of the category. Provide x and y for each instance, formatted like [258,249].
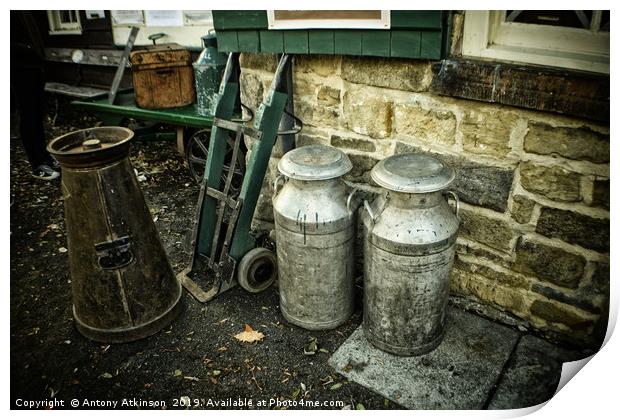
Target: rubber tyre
[257,270]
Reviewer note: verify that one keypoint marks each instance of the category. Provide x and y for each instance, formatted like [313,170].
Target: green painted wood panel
[239,19]
[249,41]
[296,42]
[376,43]
[271,41]
[348,42]
[430,45]
[227,41]
[321,42]
[405,44]
[416,19]
[414,34]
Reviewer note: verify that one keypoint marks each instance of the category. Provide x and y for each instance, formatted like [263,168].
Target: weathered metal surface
[408,254]
[315,238]
[208,70]
[122,284]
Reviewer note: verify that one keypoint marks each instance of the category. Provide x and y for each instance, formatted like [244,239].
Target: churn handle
[456,201]
[373,216]
[350,198]
[276,182]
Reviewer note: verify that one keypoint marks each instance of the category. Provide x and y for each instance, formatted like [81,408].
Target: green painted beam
[321,42]
[405,44]
[376,43]
[416,19]
[271,41]
[239,19]
[249,41]
[348,42]
[296,42]
[227,41]
[430,45]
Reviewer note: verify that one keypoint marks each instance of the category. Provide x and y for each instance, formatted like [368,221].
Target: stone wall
[534,187]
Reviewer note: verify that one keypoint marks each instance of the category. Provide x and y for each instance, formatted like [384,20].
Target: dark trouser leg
[28,85]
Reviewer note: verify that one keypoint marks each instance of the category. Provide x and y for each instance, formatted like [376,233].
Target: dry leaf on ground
[249,335]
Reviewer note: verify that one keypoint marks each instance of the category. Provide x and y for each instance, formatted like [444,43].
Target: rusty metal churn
[122,284]
[315,237]
[410,234]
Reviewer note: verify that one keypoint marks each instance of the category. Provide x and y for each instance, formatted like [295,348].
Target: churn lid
[91,146]
[413,173]
[314,163]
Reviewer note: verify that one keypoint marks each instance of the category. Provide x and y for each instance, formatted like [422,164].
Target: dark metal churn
[122,284]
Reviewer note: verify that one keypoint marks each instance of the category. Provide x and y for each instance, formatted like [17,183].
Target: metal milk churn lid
[410,236]
[208,71]
[123,287]
[315,237]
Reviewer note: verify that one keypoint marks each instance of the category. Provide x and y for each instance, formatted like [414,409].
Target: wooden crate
[163,76]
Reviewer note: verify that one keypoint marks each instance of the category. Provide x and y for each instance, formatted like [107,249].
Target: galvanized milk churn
[410,234]
[315,237]
[208,71]
[122,284]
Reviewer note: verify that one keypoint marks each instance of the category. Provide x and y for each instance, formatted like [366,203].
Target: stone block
[392,73]
[487,131]
[459,374]
[553,182]
[488,291]
[476,183]
[493,232]
[582,299]
[600,277]
[312,114]
[368,114]
[353,143]
[362,164]
[581,143]
[532,374]
[267,62]
[328,96]
[251,90]
[522,208]
[509,279]
[600,193]
[574,228]
[321,65]
[560,313]
[425,124]
[549,263]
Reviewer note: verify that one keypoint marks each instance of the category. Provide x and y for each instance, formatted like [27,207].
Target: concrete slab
[459,374]
[532,374]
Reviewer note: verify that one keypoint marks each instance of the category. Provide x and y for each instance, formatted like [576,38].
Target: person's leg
[29,91]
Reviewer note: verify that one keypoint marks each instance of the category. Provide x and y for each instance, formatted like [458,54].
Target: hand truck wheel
[257,270]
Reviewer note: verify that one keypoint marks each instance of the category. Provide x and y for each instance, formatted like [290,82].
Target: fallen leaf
[178,372]
[335,386]
[249,335]
[105,375]
[360,406]
[62,249]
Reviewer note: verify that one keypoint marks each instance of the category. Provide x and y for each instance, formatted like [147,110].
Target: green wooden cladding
[413,34]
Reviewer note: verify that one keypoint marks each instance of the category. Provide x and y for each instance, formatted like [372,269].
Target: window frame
[57,27]
[487,35]
[276,24]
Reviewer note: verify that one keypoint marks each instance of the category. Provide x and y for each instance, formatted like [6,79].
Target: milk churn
[410,234]
[315,237]
[208,70]
[122,284]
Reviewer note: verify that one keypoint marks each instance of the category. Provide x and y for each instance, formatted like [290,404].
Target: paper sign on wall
[164,17]
[127,17]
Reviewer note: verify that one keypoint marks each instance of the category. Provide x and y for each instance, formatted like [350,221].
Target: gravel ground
[196,360]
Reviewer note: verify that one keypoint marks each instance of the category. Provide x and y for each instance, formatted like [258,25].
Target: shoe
[55,165]
[45,172]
